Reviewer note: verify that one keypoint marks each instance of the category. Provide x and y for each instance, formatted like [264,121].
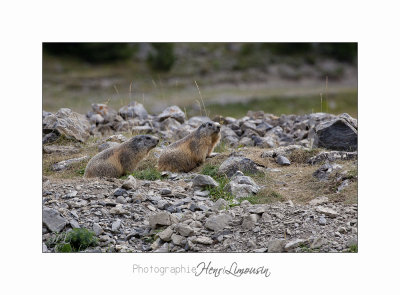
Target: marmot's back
[121,159]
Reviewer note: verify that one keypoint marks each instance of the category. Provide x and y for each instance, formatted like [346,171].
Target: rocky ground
[275,184]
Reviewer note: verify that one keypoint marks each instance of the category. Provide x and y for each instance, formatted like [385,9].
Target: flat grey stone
[161,218]
[218,222]
[281,160]
[53,220]
[276,246]
[202,181]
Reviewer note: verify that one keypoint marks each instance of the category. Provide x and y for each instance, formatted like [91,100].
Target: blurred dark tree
[346,52]
[162,58]
[288,48]
[92,52]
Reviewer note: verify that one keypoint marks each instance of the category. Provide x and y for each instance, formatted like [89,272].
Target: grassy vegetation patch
[210,170]
[222,147]
[147,174]
[265,196]
[353,249]
[219,191]
[78,239]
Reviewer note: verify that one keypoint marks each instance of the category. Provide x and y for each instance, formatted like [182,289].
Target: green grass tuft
[78,239]
[353,249]
[148,174]
[221,147]
[265,196]
[210,170]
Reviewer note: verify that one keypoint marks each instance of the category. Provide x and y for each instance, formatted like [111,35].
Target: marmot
[190,151]
[121,159]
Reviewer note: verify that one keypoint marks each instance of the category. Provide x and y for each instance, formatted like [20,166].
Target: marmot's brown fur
[121,159]
[190,151]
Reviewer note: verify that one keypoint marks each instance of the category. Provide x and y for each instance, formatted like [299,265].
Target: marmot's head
[209,128]
[143,142]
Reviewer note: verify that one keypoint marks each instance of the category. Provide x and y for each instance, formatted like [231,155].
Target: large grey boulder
[172,112]
[218,222]
[201,181]
[339,134]
[233,164]
[68,123]
[170,124]
[133,110]
[161,218]
[242,186]
[53,220]
[67,163]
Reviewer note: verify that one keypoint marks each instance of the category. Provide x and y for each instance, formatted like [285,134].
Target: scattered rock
[201,181]
[233,164]
[327,211]
[177,239]
[98,230]
[59,149]
[318,243]
[281,151]
[60,166]
[337,134]
[220,204]
[53,220]
[323,172]
[133,110]
[218,222]
[129,183]
[161,218]
[332,156]
[276,246]
[74,223]
[203,240]
[166,234]
[116,225]
[172,112]
[352,242]
[322,220]
[281,160]
[68,123]
[241,186]
[319,201]
[294,244]
[184,230]
[250,221]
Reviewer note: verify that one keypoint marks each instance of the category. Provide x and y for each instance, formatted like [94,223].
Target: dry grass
[75,170]
[294,182]
[302,156]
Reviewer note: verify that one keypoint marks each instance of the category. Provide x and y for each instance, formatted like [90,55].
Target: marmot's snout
[217,127]
[153,140]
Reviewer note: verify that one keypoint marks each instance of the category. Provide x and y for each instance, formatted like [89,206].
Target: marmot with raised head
[121,159]
[190,151]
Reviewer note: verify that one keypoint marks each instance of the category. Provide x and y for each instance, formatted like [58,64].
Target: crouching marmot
[190,151]
[121,159]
